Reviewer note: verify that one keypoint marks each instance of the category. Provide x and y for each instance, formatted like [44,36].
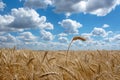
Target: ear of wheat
[74,39]
[78,38]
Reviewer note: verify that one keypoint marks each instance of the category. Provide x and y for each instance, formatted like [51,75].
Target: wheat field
[51,65]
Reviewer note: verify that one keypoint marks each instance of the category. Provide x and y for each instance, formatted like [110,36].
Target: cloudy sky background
[51,24]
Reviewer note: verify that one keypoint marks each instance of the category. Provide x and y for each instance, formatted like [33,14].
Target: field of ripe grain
[52,65]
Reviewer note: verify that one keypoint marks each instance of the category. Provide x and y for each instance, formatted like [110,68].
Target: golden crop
[51,65]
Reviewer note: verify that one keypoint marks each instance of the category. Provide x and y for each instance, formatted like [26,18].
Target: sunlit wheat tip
[78,38]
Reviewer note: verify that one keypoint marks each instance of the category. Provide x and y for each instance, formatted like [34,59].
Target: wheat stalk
[74,39]
[30,61]
[68,71]
[49,73]
[46,52]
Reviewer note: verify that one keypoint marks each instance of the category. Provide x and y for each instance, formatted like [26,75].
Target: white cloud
[48,26]
[63,39]
[21,40]
[87,36]
[11,38]
[2,5]
[80,6]
[65,6]
[3,39]
[110,32]
[78,43]
[71,26]
[4,23]
[99,8]
[38,3]
[23,18]
[62,35]
[28,18]
[29,42]
[67,14]
[45,35]
[52,46]
[107,40]
[26,37]
[7,38]
[43,45]
[116,38]
[105,26]
[99,32]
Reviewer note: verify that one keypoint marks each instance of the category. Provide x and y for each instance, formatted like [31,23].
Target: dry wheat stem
[74,39]
[44,56]
[68,71]
[30,61]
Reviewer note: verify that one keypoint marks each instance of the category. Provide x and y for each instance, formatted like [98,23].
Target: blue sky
[51,24]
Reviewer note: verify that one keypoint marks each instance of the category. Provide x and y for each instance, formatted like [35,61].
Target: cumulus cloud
[28,18]
[7,38]
[99,32]
[71,26]
[62,35]
[67,14]
[116,38]
[65,6]
[47,25]
[45,35]
[4,23]
[62,39]
[23,18]
[21,40]
[107,40]
[105,26]
[99,8]
[38,3]
[11,38]
[2,5]
[87,36]
[3,39]
[26,37]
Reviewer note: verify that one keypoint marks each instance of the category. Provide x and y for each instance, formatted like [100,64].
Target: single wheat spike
[30,61]
[46,52]
[49,73]
[78,38]
[74,39]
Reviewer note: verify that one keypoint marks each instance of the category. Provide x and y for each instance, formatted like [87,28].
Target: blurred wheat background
[51,65]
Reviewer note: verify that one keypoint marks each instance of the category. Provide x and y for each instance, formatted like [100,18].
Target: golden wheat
[49,73]
[68,71]
[82,65]
[74,39]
